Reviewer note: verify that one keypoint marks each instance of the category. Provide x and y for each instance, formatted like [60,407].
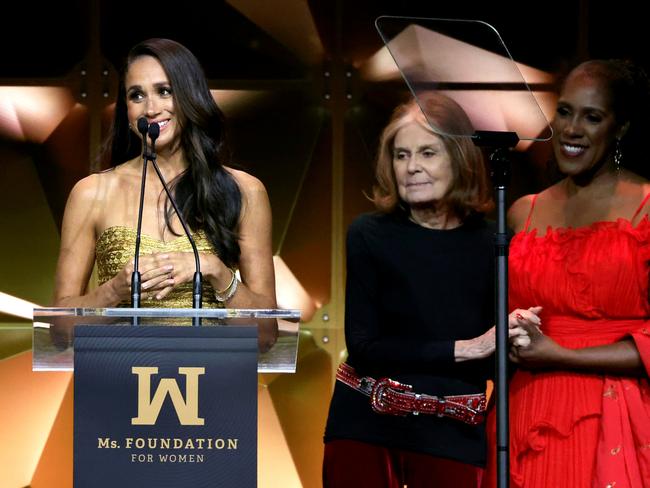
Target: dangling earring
[618,155]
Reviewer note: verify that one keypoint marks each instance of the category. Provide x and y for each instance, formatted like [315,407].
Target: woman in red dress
[580,399]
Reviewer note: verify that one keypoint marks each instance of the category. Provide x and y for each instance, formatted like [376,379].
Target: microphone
[143,127]
[154,132]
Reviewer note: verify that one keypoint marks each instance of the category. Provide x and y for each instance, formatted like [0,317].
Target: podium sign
[165,406]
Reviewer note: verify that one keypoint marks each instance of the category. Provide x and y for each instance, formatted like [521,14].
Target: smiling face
[422,166]
[149,94]
[585,126]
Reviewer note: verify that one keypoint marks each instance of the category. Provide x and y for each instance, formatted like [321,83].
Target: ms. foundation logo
[187,409]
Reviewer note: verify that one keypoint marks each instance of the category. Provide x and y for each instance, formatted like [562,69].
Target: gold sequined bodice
[116,245]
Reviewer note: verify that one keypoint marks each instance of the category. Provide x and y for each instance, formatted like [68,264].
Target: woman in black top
[419,311]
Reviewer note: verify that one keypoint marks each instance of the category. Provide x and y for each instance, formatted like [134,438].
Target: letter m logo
[149,407]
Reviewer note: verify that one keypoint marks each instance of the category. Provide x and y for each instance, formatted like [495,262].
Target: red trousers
[354,464]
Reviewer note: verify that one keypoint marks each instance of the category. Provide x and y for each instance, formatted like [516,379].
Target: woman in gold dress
[226,209]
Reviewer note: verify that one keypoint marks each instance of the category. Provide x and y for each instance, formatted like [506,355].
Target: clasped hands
[160,273]
[522,326]
[529,347]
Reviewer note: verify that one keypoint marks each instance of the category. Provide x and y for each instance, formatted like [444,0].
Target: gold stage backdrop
[306,86]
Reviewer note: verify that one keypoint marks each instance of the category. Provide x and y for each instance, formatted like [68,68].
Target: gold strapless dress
[116,245]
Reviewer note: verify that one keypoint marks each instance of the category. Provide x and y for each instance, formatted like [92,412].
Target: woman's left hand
[541,352]
[517,334]
[183,269]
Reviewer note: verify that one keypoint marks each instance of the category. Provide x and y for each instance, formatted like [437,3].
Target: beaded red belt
[391,397]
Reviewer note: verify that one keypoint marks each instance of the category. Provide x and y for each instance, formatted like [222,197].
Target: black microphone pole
[499,144]
[197,287]
[501,173]
[143,127]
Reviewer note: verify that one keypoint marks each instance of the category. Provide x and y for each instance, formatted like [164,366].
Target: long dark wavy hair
[207,195]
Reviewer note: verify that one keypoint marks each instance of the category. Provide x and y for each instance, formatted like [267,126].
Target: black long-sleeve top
[411,292]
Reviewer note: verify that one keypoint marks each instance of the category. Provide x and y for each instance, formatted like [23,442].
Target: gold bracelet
[232,279]
[227,293]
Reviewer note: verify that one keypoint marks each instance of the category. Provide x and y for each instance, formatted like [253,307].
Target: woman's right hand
[476,348]
[485,344]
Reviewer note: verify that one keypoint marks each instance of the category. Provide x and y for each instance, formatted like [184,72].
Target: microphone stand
[197,287]
[500,144]
[136,283]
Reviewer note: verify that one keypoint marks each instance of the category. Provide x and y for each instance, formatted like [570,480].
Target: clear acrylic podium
[53,331]
[163,403]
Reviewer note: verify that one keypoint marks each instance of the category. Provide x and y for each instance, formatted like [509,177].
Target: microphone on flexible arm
[154,132]
[143,127]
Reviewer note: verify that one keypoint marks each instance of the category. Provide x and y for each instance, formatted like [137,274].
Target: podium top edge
[215,313]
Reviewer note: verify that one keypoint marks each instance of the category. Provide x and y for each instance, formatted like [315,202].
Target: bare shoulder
[252,189]
[87,189]
[83,208]
[632,187]
[100,185]
[90,196]
[643,184]
[519,211]
[246,181]
[642,202]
